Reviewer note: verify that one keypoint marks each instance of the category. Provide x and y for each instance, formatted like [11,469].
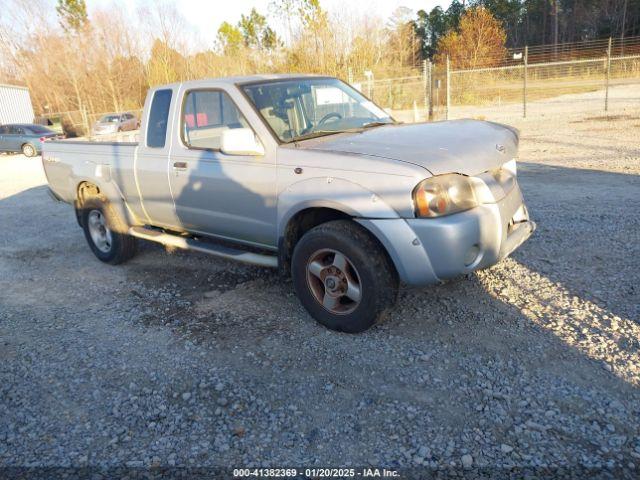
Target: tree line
[105,62]
[535,22]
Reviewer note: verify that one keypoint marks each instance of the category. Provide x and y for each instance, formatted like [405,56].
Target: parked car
[307,175]
[51,122]
[115,122]
[24,137]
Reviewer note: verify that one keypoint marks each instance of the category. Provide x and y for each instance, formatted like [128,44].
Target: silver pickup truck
[305,174]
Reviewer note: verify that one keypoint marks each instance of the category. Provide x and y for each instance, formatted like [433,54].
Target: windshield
[110,119]
[307,108]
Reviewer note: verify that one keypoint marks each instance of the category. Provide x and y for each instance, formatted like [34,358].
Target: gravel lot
[181,359]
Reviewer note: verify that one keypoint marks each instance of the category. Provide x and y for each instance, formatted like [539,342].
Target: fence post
[369,75]
[446,117]
[525,78]
[606,91]
[430,89]
[85,121]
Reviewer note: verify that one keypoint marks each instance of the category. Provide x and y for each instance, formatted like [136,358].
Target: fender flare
[112,193]
[334,193]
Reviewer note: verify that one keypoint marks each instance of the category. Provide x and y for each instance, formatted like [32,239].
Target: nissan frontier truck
[303,174]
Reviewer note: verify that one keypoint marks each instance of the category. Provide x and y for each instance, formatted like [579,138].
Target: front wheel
[343,277]
[103,230]
[29,150]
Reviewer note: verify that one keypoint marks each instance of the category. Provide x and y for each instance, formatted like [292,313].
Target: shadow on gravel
[581,146]
[588,235]
[466,366]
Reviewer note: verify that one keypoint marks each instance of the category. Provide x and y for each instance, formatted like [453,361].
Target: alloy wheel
[100,234]
[334,281]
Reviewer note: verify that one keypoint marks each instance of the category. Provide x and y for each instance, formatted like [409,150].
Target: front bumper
[53,195]
[427,251]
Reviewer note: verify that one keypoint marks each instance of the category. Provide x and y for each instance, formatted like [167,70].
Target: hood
[468,147]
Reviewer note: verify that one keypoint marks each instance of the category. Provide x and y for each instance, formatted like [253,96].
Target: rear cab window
[159,118]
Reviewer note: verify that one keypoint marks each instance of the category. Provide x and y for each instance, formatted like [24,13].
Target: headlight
[444,195]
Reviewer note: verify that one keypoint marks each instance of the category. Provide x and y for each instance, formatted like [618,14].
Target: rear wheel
[343,277]
[29,150]
[103,230]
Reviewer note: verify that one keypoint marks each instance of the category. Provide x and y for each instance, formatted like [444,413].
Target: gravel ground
[179,359]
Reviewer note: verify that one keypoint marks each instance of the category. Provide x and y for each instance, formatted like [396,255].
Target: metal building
[15,105]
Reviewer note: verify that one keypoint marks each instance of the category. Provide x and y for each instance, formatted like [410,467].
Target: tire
[29,150]
[108,243]
[328,285]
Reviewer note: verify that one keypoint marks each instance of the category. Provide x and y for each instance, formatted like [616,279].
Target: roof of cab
[241,79]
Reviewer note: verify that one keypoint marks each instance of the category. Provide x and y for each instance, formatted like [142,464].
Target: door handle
[180,165]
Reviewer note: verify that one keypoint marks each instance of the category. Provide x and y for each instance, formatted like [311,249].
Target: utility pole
[608,76]
[448,88]
[624,22]
[555,29]
[430,89]
[425,85]
[525,78]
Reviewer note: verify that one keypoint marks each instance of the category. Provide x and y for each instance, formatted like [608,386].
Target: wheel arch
[305,219]
[310,202]
[88,188]
[297,223]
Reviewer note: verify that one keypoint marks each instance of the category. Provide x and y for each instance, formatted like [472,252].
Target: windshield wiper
[320,133]
[376,124]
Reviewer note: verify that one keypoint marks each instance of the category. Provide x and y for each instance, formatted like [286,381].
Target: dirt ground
[179,359]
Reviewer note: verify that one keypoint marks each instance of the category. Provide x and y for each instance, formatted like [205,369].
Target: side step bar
[205,247]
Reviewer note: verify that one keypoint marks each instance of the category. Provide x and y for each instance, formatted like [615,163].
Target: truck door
[151,165]
[229,196]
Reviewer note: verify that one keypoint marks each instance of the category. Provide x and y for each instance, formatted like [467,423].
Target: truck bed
[67,163]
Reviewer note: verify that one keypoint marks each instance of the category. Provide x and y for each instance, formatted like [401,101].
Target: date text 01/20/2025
[315,472]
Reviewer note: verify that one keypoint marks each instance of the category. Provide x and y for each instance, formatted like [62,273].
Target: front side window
[158,119]
[206,115]
[305,108]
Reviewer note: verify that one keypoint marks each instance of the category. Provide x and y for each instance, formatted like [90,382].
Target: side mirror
[240,141]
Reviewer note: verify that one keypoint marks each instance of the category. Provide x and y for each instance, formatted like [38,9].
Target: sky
[207,15]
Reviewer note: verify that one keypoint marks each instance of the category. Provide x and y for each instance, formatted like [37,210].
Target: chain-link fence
[77,123]
[566,79]
[521,88]
[567,87]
